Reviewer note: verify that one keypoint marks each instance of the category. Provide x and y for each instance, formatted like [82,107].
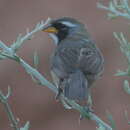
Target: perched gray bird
[76,62]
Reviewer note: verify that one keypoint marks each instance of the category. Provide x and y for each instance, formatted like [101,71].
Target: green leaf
[90,101]
[38,25]
[111,120]
[128,70]
[2,57]
[121,73]
[14,57]
[101,127]
[126,116]
[65,104]
[26,127]
[126,87]
[36,60]
[16,45]
[111,16]
[117,36]
[111,6]
[35,80]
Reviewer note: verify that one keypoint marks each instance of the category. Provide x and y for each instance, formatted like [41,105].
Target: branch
[121,8]
[4,101]
[21,39]
[116,8]
[8,52]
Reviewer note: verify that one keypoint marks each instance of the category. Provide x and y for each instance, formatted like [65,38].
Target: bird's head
[61,28]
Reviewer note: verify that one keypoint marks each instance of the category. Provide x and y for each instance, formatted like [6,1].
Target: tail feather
[76,86]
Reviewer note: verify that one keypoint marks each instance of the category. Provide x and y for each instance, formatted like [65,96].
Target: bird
[76,62]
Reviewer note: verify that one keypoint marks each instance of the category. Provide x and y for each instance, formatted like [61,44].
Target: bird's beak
[49,29]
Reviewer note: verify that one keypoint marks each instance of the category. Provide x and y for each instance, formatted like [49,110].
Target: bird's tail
[76,86]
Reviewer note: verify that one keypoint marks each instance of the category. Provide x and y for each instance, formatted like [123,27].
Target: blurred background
[37,104]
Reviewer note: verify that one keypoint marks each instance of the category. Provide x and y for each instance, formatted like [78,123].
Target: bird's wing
[74,55]
[90,60]
[69,57]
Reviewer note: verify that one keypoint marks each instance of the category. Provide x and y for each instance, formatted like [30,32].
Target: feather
[76,86]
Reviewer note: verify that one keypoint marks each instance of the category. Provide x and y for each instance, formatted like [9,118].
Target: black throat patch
[62,31]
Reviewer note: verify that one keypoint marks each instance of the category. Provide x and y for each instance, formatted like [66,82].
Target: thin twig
[20,41]
[4,101]
[114,11]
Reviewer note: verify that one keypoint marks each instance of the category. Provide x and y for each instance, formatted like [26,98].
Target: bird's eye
[60,26]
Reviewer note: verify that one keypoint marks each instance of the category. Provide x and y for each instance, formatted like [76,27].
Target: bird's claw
[58,94]
[88,110]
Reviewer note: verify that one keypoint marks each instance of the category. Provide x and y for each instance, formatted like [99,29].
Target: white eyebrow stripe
[69,24]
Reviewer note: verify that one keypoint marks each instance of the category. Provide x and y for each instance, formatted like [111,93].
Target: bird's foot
[57,97]
[88,110]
